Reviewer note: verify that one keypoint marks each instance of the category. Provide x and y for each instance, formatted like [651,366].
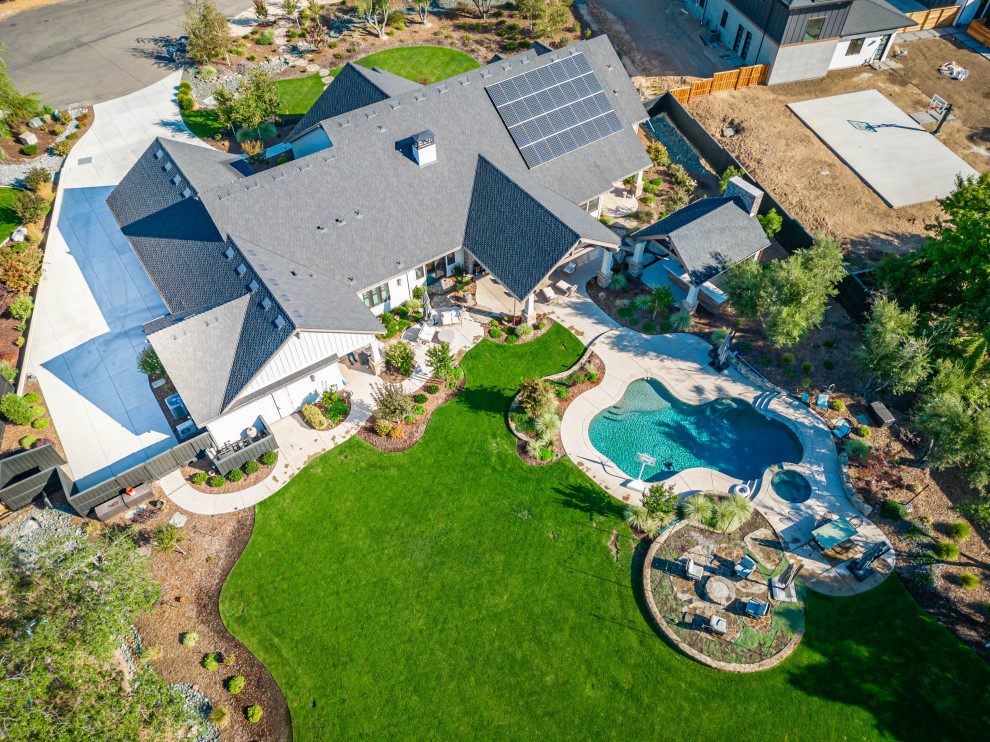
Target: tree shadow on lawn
[485,399]
[879,651]
[590,499]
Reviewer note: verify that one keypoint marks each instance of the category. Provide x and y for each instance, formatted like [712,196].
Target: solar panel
[554,109]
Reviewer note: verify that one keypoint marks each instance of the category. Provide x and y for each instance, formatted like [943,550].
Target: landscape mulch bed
[411,432]
[594,363]
[13,433]
[212,544]
[13,149]
[206,465]
[546,319]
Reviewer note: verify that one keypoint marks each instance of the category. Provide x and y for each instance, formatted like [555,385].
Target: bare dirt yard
[810,181]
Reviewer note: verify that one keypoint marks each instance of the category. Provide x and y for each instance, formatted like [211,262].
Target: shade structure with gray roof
[246,261]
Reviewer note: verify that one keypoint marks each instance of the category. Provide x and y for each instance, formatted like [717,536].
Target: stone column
[529,309]
[636,264]
[605,274]
[639,184]
[469,263]
[691,302]
[377,363]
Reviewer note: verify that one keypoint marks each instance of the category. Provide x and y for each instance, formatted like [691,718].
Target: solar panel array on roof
[555,109]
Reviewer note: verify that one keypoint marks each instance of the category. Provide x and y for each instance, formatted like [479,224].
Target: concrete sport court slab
[884,146]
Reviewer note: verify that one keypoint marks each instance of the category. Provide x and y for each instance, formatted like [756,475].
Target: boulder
[36,122]
[27,138]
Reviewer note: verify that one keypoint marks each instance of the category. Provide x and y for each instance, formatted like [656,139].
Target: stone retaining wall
[854,499]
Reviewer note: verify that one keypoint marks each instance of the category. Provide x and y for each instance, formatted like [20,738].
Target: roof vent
[329,156]
[358,214]
[351,282]
[506,67]
[253,286]
[339,222]
[159,153]
[465,81]
[524,60]
[186,192]
[167,166]
[371,114]
[228,253]
[241,269]
[283,297]
[293,273]
[279,322]
[252,185]
[305,165]
[419,97]
[442,89]
[297,314]
[381,129]
[176,179]
[265,303]
[278,175]
[395,104]
[425,148]
[344,122]
[223,194]
[321,228]
[486,73]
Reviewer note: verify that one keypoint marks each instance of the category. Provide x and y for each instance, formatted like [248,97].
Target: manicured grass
[9,221]
[299,94]
[453,592]
[204,123]
[419,63]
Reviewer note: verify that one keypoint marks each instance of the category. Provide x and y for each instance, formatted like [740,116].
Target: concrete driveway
[87,51]
[94,296]
[665,38]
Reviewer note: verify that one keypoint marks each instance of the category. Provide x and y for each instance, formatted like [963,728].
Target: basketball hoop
[937,107]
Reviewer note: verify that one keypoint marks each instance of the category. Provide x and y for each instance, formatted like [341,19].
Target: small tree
[30,207]
[658,153]
[892,353]
[166,537]
[256,100]
[484,8]
[661,298]
[771,223]
[291,9]
[391,402]
[149,363]
[208,32]
[661,501]
[375,13]
[441,361]
[36,177]
[261,10]
[16,409]
[536,396]
[400,355]
[730,172]
[422,6]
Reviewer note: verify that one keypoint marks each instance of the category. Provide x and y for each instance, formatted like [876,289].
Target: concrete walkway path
[681,361]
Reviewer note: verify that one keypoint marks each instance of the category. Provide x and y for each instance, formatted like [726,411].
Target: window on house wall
[376,296]
[420,271]
[739,34]
[725,17]
[591,206]
[746,43]
[813,32]
[855,47]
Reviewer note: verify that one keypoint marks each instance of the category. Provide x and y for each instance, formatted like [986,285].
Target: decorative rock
[178,520]
[31,525]
[19,235]
[312,67]
[304,46]
[144,551]
[27,138]
[324,72]
[36,122]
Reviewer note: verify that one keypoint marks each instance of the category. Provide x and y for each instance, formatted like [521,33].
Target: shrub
[894,510]
[149,654]
[536,396]
[969,581]
[21,307]
[837,405]
[510,46]
[607,220]
[806,367]
[185,86]
[863,431]
[217,481]
[62,147]
[254,714]
[235,475]
[400,356]
[511,339]
[959,531]
[149,363]
[30,149]
[856,447]
[36,177]
[200,477]
[264,39]
[396,432]
[658,154]
[419,410]
[787,359]
[218,716]
[806,382]
[828,365]
[19,342]
[651,189]
[186,102]
[268,458]
[649,328]
[32,398]
[541,325]
[30,207]
[211,661]
[495,333]
[648,200]
[207,72]
[420,398]
[252,467]
[945,550]
[383,428]
[7,370]
[27,441]
[681,320]
[524,330]
[313,417]
[189,639]
[40,424]
[561,392]
[235,684]
[16,409]
[433,388]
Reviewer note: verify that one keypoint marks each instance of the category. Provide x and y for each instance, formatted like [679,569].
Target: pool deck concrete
[681,361]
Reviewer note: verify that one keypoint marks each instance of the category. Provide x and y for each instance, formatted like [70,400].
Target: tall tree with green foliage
[256,100]
[789,296]
[15,106]
[208,32]
[375,14]
[894,352]
[65,612]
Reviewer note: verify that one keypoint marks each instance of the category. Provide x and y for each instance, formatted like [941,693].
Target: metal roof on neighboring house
[710,236]
[873,16]
[307,236]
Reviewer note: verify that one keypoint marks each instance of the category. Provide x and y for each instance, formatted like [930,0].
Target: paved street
[89,51]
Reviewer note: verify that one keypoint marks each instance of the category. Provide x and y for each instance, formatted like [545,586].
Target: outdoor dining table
[834,533]
[445,336]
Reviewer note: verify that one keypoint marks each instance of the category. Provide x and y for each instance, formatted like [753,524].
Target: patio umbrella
[427,308]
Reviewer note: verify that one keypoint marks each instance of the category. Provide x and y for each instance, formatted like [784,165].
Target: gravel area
[14,173]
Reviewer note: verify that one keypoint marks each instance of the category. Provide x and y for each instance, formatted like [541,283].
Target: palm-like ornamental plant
[698,508]
[547,425]
[731,512]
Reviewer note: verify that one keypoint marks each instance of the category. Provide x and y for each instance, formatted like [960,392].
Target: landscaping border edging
[694,654]
[854,499]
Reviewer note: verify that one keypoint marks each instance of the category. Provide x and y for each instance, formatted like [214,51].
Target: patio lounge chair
[745,568]
[783,593]
[756,609]
[840,428]
[718,625]
[426,334]
[450,317]
[694,571]
[570,267]
[822,401]
[548,295]
[565,288]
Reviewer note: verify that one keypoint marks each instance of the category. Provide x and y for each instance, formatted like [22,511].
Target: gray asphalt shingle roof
[710,236]
[871,16]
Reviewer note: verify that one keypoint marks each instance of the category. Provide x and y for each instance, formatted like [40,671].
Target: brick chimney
[748,193]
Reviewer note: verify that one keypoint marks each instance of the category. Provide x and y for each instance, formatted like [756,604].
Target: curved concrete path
[681,361]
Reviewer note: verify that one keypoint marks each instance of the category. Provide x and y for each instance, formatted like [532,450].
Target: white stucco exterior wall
[840,60]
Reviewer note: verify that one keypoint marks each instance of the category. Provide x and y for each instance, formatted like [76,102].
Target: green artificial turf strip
[417,62]
[452,588]
[9,221]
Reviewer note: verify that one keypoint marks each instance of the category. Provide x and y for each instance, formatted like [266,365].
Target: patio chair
[718,625]
[548,295]
[567,289]
[744,568]
[570,267]
[694,571]
[822,401]
[840,428]
[426,334]
[450,317]
[756,609]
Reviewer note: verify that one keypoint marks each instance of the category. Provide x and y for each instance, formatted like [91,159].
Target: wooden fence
[979,31]
[932,18]
[731,80]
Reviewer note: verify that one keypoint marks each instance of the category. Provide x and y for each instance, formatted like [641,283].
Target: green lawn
[412,62]
[453,592]
[9,221]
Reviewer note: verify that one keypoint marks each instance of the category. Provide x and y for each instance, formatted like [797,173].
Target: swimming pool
[727,435]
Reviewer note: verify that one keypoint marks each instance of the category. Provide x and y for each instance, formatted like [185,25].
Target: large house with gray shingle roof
[271,277]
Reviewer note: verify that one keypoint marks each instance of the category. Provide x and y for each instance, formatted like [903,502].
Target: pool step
[763,401]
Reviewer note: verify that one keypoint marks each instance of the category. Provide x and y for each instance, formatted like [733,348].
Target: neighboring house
[803,39]
[271,277]
[705,239]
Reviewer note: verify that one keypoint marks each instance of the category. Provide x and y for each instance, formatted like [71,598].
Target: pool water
[727,435]
[790,486]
